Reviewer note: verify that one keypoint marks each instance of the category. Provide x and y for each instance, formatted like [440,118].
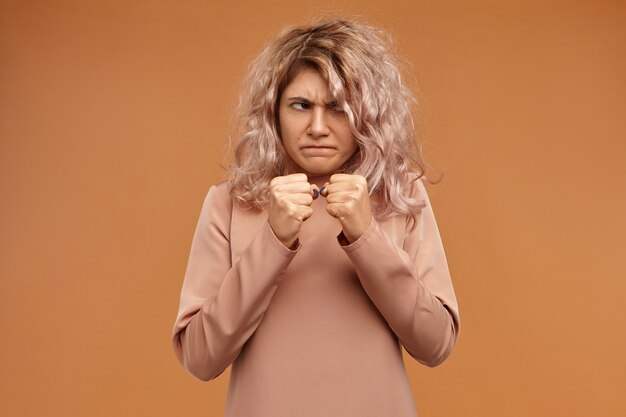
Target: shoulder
[222,189]
[416,189]
[221,196]
[218,197]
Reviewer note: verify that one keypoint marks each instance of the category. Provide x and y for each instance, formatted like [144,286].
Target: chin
[320,170]
[319,167]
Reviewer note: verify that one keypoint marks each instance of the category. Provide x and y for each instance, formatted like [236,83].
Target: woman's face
[314,130]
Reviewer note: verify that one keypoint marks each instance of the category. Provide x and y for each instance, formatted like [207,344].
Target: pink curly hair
[363,77]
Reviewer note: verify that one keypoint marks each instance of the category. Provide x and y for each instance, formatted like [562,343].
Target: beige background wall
[114,120]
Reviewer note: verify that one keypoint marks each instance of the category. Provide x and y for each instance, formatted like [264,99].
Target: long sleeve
[411,286]
[222,304]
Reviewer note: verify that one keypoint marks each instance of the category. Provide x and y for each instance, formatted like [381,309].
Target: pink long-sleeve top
[319,330]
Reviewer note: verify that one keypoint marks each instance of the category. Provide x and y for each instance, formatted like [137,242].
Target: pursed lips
[317,147]
[313,150]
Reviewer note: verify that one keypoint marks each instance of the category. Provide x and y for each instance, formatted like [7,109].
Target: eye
[335,107]
[300,105]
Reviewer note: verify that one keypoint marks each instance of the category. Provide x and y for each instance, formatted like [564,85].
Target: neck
[319,179]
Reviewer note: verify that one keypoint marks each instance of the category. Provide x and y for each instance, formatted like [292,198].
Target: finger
[315,191]
[340,186]
[306,212]
[299,198]
[343,177]
[292,187]
[334,209]
[353,178]
[323,190]
[298,177]
[341,197]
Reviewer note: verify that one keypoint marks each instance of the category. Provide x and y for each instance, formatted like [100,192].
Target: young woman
[320,257]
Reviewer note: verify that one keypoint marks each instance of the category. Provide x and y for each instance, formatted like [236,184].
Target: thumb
[315,191]
[324,191]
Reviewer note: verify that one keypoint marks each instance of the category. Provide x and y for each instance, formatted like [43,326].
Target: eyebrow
[331,103]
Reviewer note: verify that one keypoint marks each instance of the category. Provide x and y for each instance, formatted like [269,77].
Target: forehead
[307,83]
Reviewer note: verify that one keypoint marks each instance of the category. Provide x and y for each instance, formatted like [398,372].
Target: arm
[221,305]
[410,286]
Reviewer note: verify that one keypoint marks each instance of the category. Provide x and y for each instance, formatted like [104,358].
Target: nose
[318,125]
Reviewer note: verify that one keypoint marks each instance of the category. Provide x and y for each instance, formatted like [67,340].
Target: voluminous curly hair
[363,77]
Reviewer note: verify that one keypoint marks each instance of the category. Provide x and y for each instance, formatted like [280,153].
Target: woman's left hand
[348,201]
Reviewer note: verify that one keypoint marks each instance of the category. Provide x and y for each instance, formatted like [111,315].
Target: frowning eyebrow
[299,99]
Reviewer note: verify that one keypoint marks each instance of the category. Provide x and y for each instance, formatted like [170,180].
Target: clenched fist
[348,201]
[289,206]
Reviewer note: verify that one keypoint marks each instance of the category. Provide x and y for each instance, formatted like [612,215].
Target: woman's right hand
[290,205]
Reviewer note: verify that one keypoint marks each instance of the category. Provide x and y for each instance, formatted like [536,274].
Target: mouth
[317,147]
[317,150]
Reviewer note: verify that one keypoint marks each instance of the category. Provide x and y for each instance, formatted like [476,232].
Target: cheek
[348,140]
[289,138]
[345,135]
[288,130]
[284,132]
